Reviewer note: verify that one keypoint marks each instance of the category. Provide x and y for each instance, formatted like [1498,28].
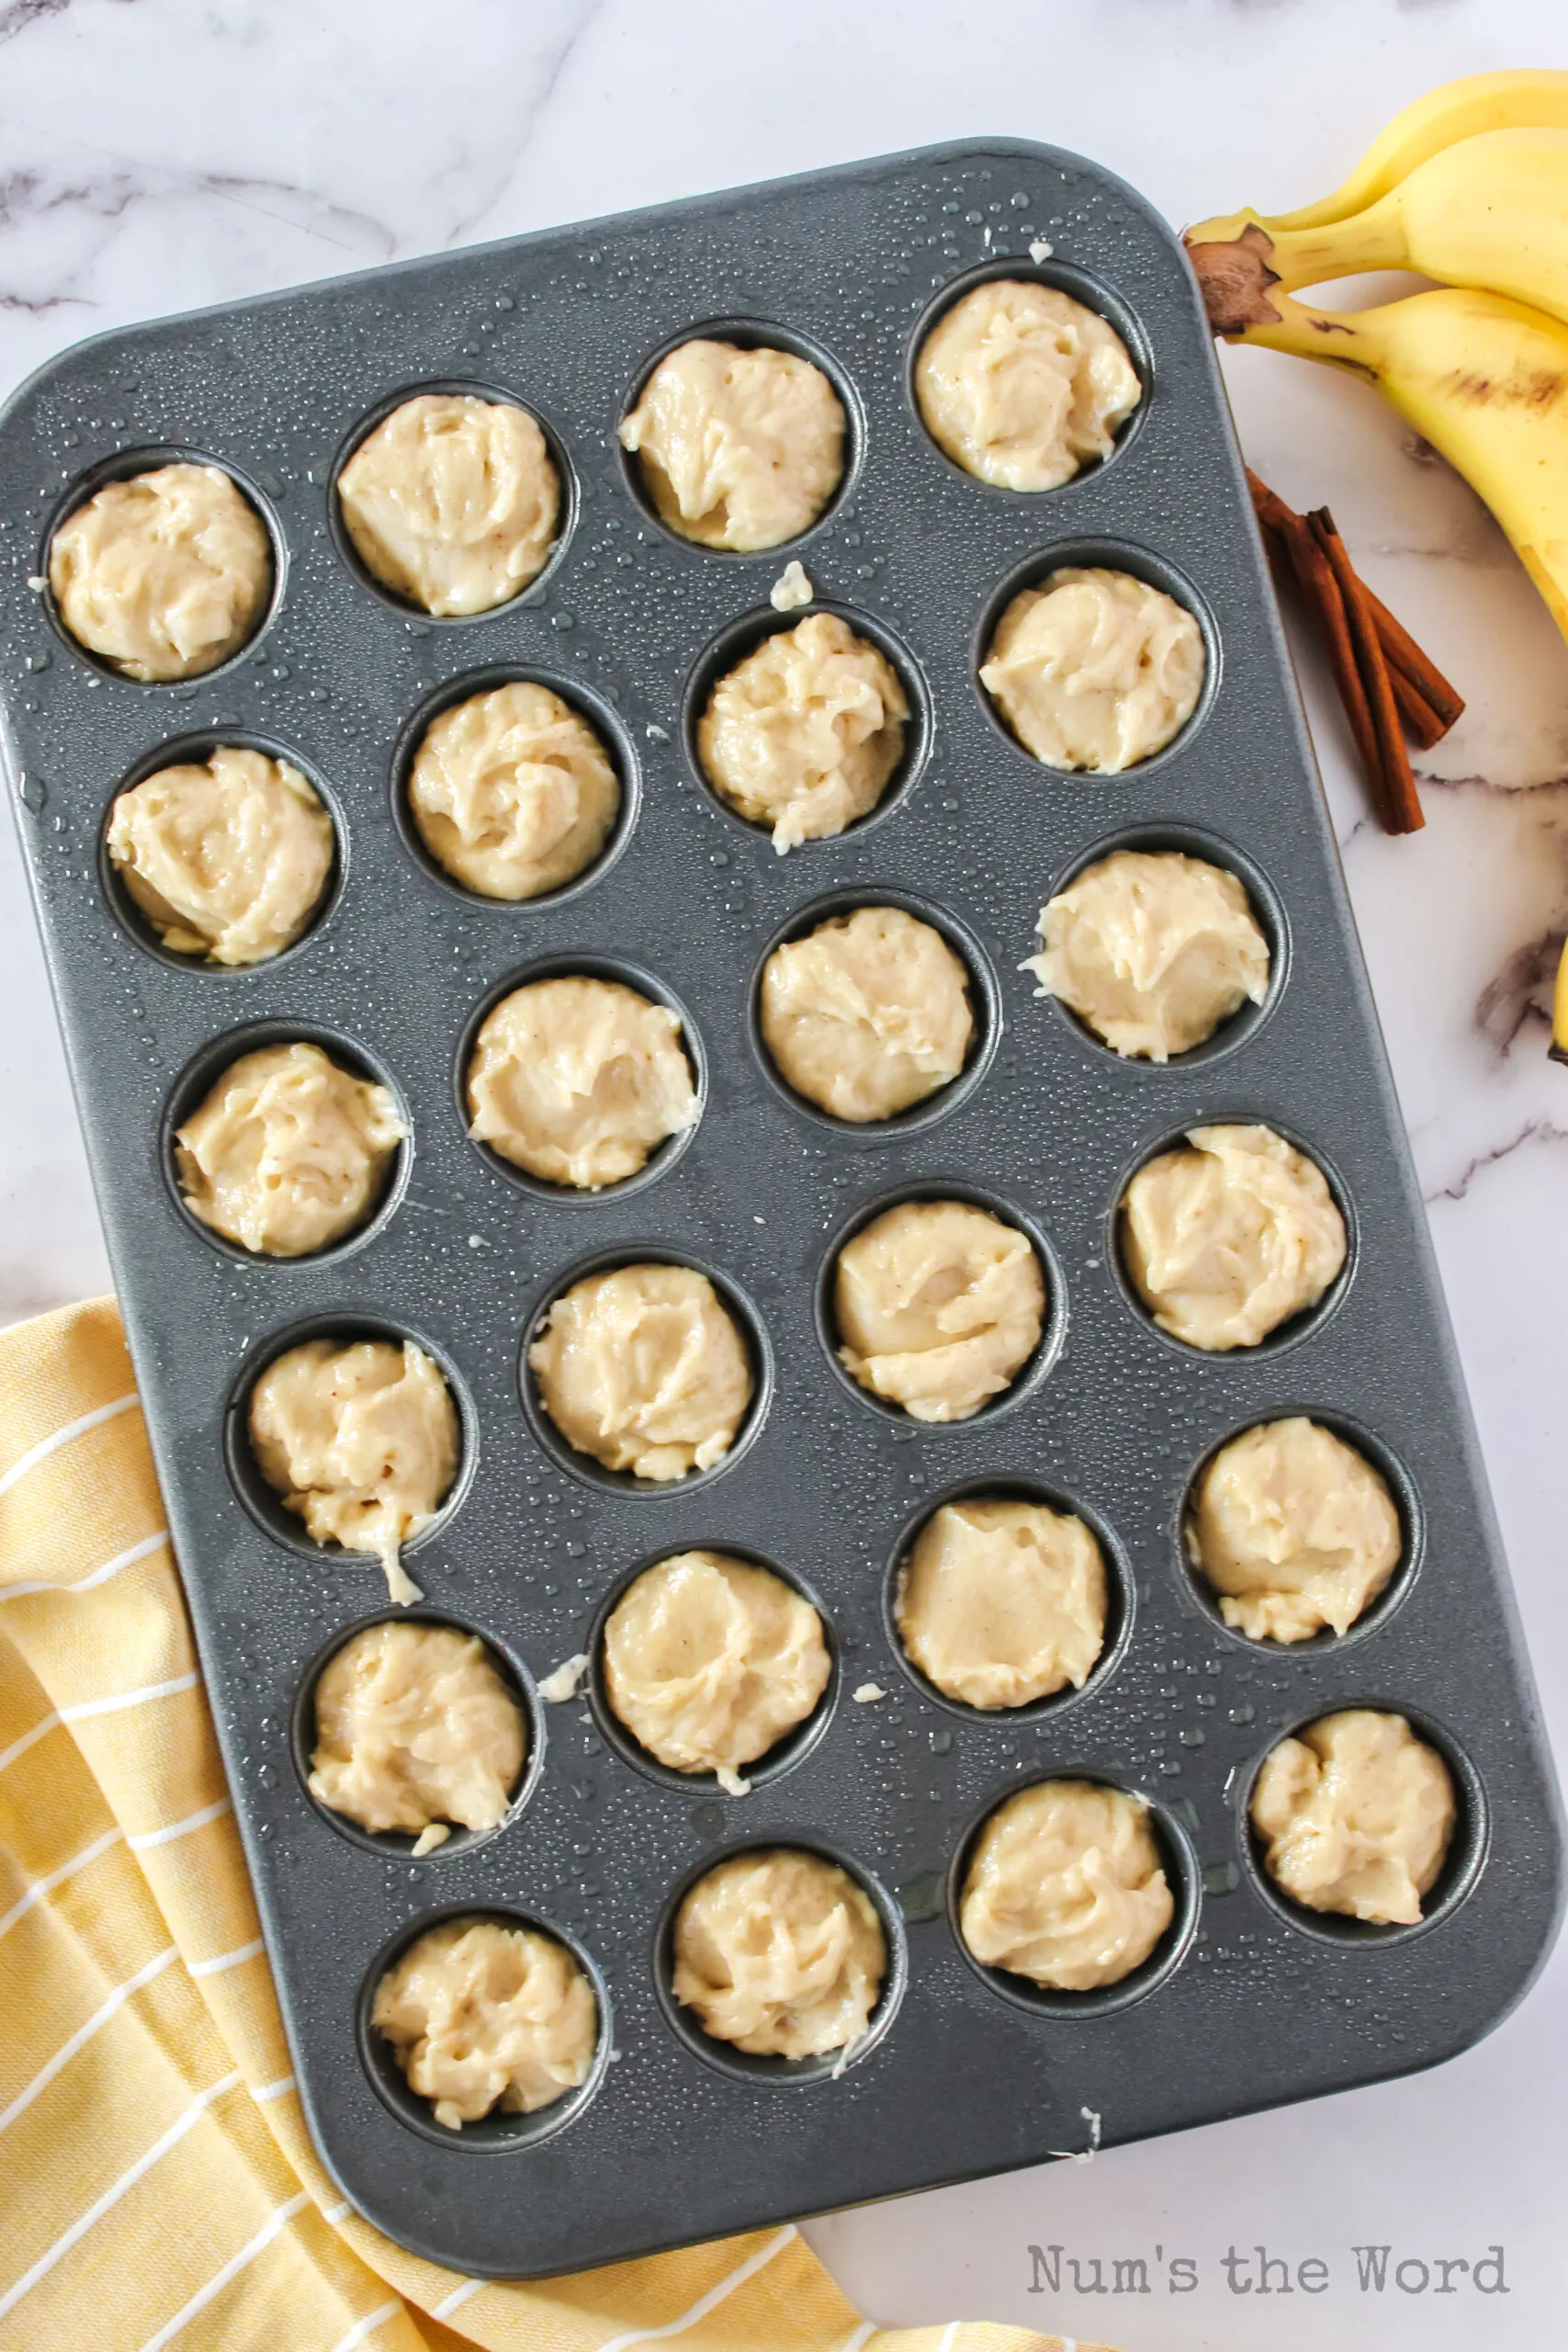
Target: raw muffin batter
[1294,1530]
[578,1081]
[1230,1235]
[802,736]
[1355,1814]
[165,575]
[709,1661]
[791,588]
[512,792]
[480,2016]
[288,1152]
[1001,1603]
[1021,385]
[738,450]
[1153,949]
[781,1953]
[452,502]
[1095,670]
[644,1369]
[226,857]
[1065,1887]
[938,1305]
[361,1442]
[415,1730]
[868,1013]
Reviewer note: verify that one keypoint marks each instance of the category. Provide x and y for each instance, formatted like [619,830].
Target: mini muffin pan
[1249,2002]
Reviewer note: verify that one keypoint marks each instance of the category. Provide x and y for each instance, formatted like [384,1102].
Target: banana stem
[1276,321]
[1371,240]
[1243,275]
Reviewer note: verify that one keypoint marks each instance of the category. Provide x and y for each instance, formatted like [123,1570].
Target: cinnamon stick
[1404,811]
[1428,703]
[1416,668]
[1270,508]
[1315,577]
[1425,720]
[1423,723]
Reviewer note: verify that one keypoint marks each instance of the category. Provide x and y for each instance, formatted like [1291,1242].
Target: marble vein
[1520,995]
[554,69]
[16,19]
[1534,1131]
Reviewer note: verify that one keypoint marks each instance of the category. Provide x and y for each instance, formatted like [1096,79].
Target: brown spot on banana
[1537,387]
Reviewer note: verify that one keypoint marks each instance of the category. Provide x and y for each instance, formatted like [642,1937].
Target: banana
[1469,186]
[1482,377]
[1489,212]
[1481,102]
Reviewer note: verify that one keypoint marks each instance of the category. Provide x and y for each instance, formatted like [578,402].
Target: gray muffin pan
[1249,2002]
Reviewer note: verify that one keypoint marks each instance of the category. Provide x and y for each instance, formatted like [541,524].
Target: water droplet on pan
[920,1897]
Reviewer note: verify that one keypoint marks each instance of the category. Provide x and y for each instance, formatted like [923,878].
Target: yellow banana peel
[1463,109]
[1484,379]
[1469,186]
[1489,213]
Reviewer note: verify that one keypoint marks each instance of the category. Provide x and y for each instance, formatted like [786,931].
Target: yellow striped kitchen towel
[159,2185]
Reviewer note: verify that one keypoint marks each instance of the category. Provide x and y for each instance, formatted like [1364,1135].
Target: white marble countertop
[158,155]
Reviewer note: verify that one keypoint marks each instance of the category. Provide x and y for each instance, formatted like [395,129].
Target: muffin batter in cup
[867,1014]
[1095,670]
[416,1730]
[802,736]
[452,503]
[739,449]
[512,792]
[1021,386]
[227,857]
[780,1953]
[643,1368]
[1356,1815]
[1001,1603]
[1066,1886]
[939,1307]
[1153,950]
[163,576]
[709,1661]
[288,1152]
[1229,1235]
[1294,1530]
[578,1081]
[483,2017]
[360,1440]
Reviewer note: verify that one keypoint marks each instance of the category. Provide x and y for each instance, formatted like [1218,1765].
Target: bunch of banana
[1469,187]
